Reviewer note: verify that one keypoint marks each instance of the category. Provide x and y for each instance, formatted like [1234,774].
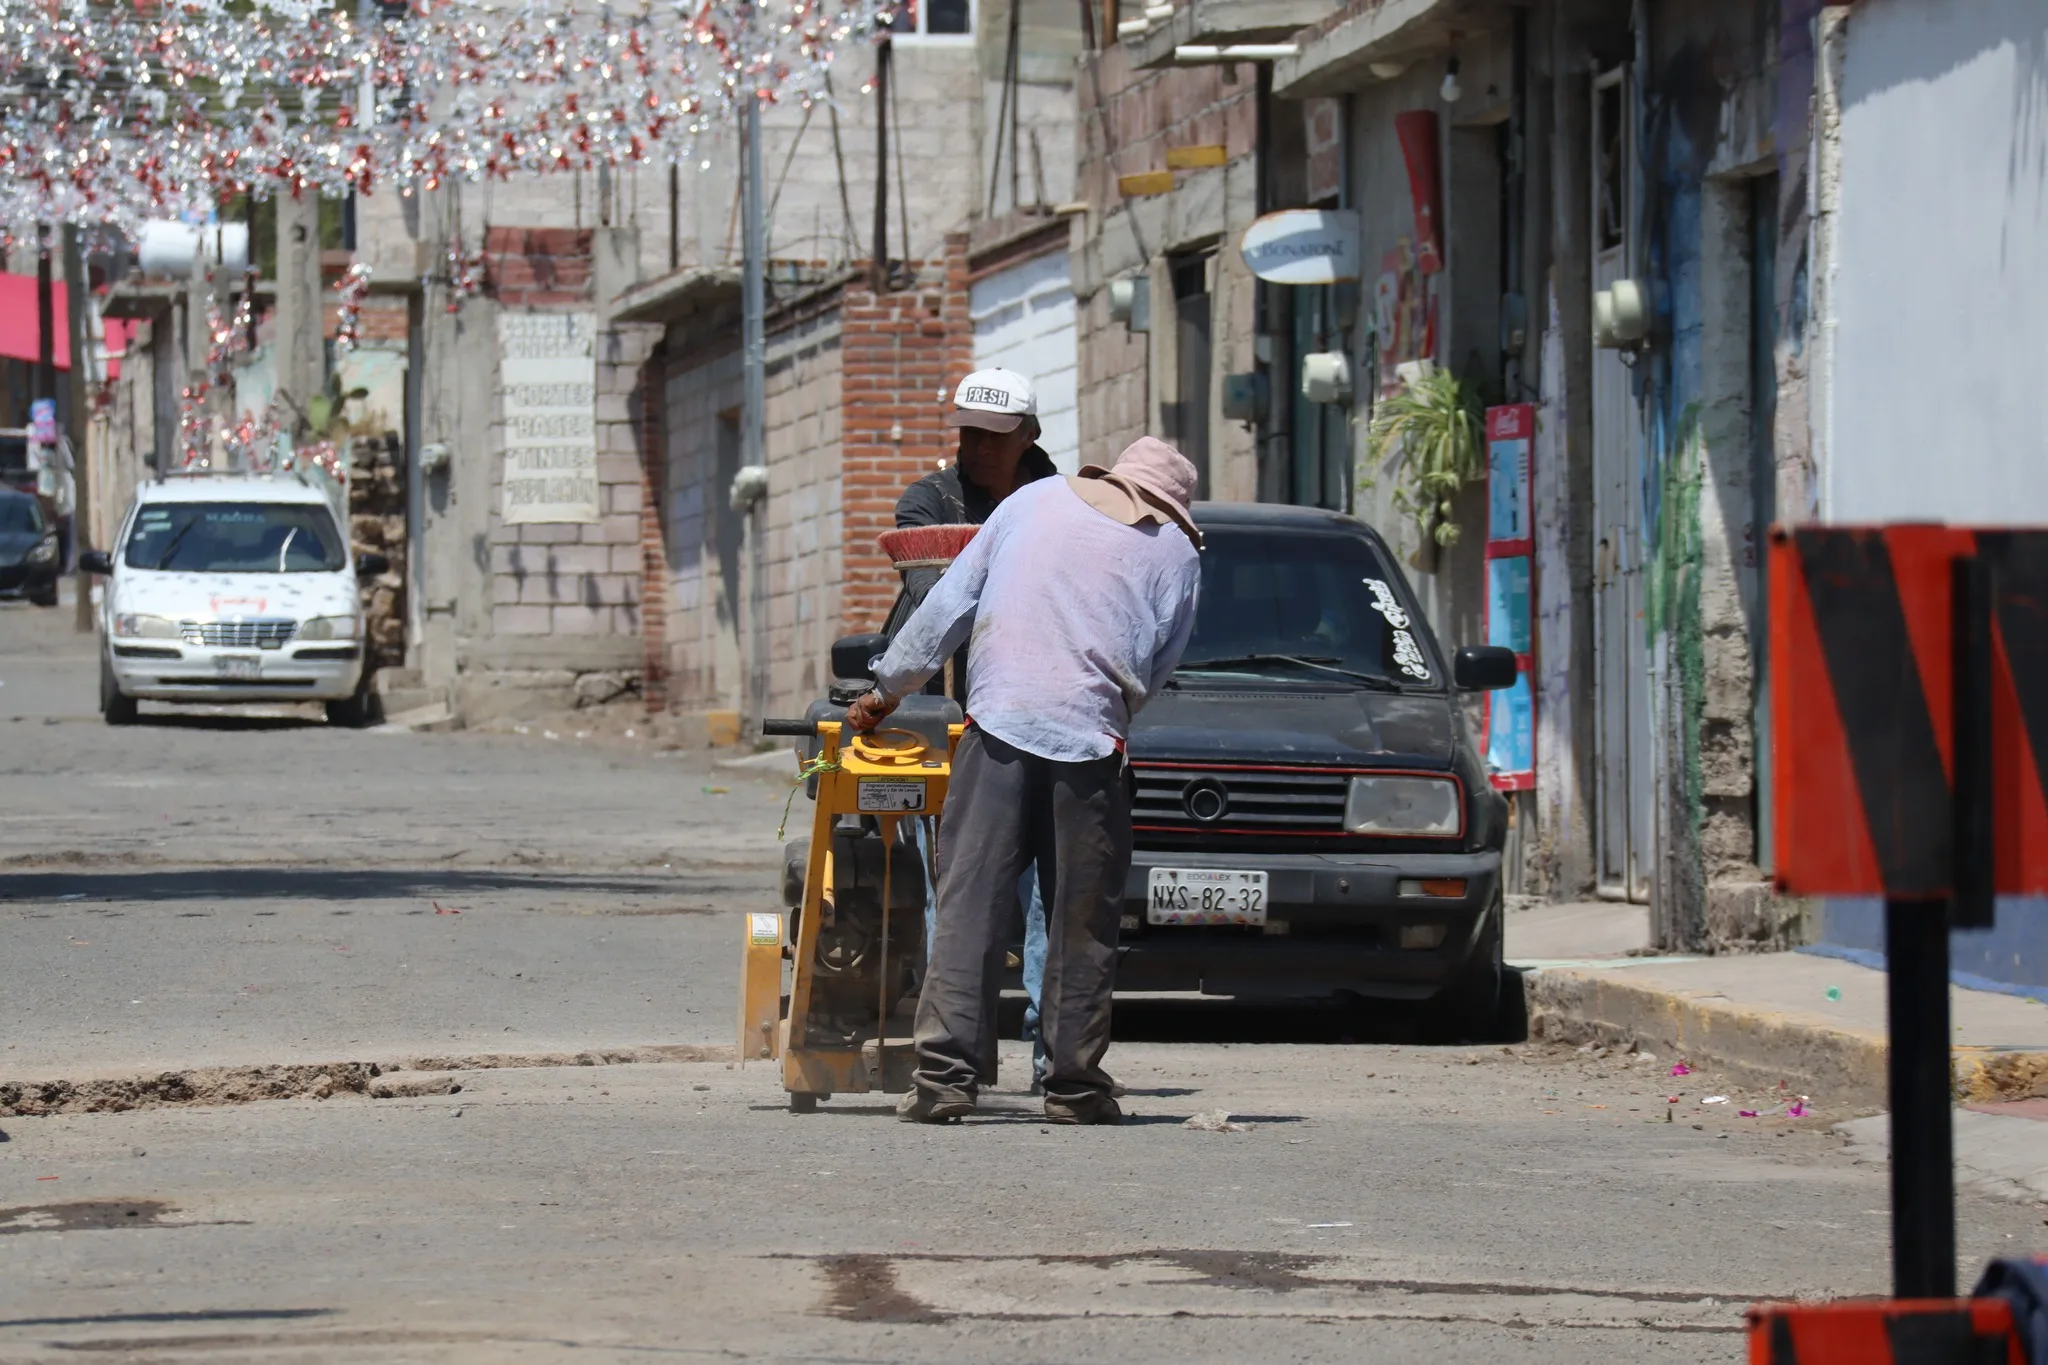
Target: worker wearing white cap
[996,413]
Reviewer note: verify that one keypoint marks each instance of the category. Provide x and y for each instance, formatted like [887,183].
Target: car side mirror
[371,564]
[95,561]
[1484,668]
[851,655]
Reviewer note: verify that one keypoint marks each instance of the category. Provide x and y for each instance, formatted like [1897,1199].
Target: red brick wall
[537,267]
[902,355]
[649,403]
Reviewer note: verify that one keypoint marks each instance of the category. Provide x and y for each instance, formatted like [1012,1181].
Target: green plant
[327,415]
[1430,437]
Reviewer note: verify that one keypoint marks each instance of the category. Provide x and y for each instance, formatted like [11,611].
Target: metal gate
[1624,810]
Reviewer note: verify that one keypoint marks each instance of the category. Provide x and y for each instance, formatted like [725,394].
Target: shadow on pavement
[339,884]
[200,1315]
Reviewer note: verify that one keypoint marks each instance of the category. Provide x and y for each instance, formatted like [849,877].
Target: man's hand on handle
[870,710]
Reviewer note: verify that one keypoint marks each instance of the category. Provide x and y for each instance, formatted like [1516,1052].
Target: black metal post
[46,312]
[1971,585]
[1923,1153]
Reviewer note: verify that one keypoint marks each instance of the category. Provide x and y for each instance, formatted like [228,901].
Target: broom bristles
[919,546]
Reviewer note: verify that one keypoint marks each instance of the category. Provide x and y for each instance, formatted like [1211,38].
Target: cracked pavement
[489,912]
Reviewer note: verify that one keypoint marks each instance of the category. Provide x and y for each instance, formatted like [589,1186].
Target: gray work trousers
[1005,809]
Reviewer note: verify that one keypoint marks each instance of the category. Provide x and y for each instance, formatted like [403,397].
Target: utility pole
[754,391]
[78,299]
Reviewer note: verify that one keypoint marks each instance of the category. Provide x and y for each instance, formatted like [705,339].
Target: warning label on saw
[883,796]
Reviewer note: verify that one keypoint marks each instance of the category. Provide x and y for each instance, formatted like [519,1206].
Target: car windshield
[236,537]
[20,515]
[1311,605]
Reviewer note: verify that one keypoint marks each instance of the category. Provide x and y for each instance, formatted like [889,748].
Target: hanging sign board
[42,421]
[548,365]
[1303,246]
[1511,714]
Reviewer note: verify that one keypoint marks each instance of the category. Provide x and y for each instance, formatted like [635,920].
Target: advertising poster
[1510,549]
[548,369]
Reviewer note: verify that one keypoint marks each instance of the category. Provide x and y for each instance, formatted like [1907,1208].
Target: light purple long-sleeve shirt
[1077,620]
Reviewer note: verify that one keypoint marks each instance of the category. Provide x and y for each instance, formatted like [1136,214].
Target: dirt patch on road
[863,1288]
[85,1215]
[309,1080]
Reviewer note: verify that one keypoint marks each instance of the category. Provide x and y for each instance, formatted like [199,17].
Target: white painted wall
[1939,403]
[1024,321]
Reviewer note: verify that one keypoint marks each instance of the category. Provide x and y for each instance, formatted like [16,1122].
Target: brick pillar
[650,396]
[902,354]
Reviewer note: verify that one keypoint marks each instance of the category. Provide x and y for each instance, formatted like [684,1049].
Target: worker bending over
[1080,593]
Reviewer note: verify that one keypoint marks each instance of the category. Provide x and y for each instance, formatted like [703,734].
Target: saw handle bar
[796,729]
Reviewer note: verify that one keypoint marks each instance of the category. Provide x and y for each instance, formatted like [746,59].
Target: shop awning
[19,339]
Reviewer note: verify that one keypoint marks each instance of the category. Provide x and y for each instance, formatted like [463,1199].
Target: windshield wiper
[163,561]
[1322,663]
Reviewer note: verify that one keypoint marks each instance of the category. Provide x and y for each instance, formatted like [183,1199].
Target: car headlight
[330,628]
[1403,805]
[45,550]
[139,627]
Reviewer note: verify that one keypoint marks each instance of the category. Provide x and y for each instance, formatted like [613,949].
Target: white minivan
[231,588]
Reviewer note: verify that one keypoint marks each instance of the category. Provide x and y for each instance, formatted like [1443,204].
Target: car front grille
[1183,798]
[238,634]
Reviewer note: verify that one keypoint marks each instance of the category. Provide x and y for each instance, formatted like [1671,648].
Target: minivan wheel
[116,707]
[1468,1008]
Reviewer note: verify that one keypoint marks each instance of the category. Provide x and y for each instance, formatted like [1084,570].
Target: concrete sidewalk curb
[1843,1067]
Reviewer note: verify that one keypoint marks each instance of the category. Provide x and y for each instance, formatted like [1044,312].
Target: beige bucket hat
[1150,481]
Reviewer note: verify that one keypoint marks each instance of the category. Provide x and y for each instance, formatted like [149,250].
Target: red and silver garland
[128,110]
[353,288]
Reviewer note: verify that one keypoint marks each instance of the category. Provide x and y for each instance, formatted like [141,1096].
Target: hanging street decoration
[121,111]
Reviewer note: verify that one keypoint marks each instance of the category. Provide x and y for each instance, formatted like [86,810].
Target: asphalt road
[253,896]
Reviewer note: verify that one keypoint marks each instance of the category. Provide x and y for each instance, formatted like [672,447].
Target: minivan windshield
[236,537]
[1307,605]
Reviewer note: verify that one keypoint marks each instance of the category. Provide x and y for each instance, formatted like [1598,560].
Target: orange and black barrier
[1893,1332]
[1909,710]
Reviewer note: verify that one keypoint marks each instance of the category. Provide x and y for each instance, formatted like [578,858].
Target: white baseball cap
[994,400]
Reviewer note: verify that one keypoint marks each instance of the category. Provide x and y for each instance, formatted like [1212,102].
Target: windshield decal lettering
[1386,604]
[1408,656]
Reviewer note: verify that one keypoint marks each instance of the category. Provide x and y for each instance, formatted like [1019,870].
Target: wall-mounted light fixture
[1621,315]
[1450,90]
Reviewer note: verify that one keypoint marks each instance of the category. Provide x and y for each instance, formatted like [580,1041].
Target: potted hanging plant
[1429,436]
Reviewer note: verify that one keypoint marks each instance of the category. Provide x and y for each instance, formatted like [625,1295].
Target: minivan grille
[1168,797]
[238,634]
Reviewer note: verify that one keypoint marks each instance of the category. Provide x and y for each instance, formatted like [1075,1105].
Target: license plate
[238,666]
[888,797]
[1193,895]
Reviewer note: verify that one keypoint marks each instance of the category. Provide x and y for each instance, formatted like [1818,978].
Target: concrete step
[395,700]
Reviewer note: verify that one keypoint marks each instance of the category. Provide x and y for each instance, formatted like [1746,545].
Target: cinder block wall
[570,579]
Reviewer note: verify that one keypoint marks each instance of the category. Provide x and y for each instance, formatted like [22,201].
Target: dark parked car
[1312,816]
[29,557]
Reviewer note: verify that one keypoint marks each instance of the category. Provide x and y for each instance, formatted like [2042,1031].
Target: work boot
[1081,1111]
[919,1107]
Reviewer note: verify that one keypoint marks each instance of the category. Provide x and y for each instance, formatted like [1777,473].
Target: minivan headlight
[329,628]
[1403,805]
[135,626]
[43,551]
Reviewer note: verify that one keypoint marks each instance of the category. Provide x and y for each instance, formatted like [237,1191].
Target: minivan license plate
[238,666]
[1193,895]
